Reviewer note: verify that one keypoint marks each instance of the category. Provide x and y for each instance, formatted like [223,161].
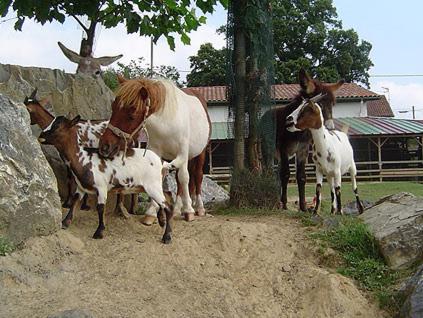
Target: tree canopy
[306,34]
[139,68]
[208,67]
[151,18]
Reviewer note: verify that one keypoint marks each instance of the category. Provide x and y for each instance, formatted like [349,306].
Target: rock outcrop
[413,291]
[69,94]
[29,203]
[397,224]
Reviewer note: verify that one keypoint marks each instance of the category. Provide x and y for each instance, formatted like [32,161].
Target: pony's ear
[74,121]
[336,86]
[306,82]
[34,94]
[121,79]
[144,93]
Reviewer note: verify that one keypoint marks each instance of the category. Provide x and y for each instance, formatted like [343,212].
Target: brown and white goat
[139,170]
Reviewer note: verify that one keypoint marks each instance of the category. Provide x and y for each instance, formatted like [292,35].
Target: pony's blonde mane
[129,94]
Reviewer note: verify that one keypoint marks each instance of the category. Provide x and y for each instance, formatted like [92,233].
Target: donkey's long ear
[306,82]
[336,86]
[34,94]
[74,121]
[121,79]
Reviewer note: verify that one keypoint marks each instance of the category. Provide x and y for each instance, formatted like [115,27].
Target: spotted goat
[139,170]
[332,152]
[89,132]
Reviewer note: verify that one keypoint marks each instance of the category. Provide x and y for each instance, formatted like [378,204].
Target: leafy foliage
[208,67]
[5,247]
[308,34]
[139,68]
[151,18]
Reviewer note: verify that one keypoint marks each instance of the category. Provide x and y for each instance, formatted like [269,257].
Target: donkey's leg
[353,174]
[319,182]
[301,158]
[101,202]
[74,205]
[337,183]
[284,179]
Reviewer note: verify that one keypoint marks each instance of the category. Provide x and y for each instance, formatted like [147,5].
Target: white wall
[218,114]
[350,109]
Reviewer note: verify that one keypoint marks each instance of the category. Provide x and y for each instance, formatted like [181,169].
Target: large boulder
[29,203]
[413,293]
[69,94]
[397,224]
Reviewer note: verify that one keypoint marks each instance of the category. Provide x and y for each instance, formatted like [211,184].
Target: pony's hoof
[189,217]
[167,239]
[201,212]
[85,207]
[66,223]
[148,220]
[98,235]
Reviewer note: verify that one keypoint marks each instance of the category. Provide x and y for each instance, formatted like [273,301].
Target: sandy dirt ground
[215,267]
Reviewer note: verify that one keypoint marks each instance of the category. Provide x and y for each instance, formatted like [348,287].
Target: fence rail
[366,171]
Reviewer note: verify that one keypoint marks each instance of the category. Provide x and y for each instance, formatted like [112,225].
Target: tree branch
[80,22]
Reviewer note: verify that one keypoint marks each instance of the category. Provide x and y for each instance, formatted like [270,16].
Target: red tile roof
[379,108]
[285,92]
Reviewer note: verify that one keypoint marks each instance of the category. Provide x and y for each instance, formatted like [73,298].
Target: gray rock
[397,224]
[351,207]
[69,94]
[413,291]
[73,313]
[212,193]
[29,203]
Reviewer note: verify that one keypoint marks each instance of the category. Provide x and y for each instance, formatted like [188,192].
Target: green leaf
[185,39]
[19,23]
[171,41]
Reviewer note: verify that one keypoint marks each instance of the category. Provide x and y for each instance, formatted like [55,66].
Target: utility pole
[151,58]
[414,113]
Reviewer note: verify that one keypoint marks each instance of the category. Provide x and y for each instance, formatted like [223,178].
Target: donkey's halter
[128,137]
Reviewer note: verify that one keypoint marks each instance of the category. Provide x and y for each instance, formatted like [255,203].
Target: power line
[396,75]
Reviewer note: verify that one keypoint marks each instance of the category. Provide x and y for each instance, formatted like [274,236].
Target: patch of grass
[5,246]
[362,260]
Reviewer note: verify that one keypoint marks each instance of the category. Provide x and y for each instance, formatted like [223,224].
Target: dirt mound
[215,267]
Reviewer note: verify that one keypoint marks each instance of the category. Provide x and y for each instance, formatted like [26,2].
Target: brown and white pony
[289,144]
[178,126]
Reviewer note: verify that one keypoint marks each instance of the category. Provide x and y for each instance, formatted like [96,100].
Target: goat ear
[121,79]
[34,94]
[306,82]
[336,86]
[74,121]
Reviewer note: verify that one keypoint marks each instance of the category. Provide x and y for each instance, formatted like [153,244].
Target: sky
[391,26]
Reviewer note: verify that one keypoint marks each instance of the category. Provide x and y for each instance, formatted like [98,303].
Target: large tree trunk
[239,86]
[255,92]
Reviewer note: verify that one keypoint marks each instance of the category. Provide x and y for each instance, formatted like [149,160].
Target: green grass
[371,191]
[355,245]
[5,247]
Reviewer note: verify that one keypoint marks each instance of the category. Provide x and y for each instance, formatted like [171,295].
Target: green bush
[5,246]
[252,189]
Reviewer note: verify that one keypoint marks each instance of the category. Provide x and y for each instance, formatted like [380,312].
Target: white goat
[332,153]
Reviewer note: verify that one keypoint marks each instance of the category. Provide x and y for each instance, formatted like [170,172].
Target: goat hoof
[189,217]
[148,220]
[66,223]
[201,212]
[85,207]
[166,239]
[162,220]
[98,235]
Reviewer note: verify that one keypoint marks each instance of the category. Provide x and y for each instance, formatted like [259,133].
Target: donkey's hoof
[201,212]
[166,239]
[148,220]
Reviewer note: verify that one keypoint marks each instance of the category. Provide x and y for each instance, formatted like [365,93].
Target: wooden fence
[366,171]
